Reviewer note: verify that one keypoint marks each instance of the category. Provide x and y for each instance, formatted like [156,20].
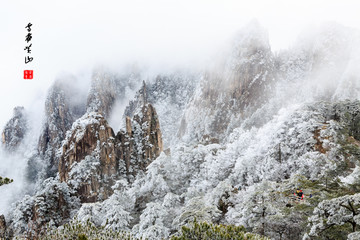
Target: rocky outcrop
[2,227]
[97,135]
[58,121]
[103,93]
[92,142]
[90,137]
[63,105]
[234,88]
[15,129]
[140,99]
[142,141]
[107,88]
[171,90]
[147,128]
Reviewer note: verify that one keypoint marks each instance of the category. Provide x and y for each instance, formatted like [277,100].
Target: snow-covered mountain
[229,145]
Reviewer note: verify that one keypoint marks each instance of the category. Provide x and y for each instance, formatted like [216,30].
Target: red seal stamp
[28,74]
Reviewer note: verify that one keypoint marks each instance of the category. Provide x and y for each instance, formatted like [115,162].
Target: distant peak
[18,111]
[252,35]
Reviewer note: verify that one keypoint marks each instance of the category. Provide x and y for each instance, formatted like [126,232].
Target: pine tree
[4,181]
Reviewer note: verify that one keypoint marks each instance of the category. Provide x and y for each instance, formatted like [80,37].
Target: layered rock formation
[91,159]
[15,129]
[92,142]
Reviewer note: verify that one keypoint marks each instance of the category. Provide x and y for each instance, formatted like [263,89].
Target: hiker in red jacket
[299,194]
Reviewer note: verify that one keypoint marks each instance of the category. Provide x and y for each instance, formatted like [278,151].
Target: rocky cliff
[89,138]
[108,88]
[61,109]
[169,94]
[237,85]
[142,141]
[15,129]
[92,142]
[92,159]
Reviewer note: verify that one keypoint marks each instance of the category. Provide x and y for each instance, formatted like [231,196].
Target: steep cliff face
[147,132]
[234,88]
[169,94]
[58,119]
[15,129]
[93,158]
[103,94]
[142,141]
[61,109]
[90,139]
[107,88]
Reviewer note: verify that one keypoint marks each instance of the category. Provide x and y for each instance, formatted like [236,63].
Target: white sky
[72,36]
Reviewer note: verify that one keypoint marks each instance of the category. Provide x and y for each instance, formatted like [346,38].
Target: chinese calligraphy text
[28,74]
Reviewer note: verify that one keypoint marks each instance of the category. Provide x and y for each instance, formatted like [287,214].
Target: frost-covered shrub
[84,231]
[113,213]
[53,205]
[196,208]
[204,230]
[336,217]
[151,224]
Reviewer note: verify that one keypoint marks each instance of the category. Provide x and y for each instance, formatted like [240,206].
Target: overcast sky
[73,36]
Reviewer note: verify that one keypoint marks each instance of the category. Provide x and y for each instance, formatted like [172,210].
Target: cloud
[74,36]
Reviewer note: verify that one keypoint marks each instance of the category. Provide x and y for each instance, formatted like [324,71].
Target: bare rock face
[2,227]
[147,130]
[58,121]
[93,158]
[15,129]
[63,105]
[92,140]
[142,141]
[84,142]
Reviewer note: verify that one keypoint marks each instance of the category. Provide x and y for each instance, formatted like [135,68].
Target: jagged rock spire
[136,105]
[92,143]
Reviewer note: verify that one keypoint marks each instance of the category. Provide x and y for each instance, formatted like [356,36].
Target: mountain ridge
[229,145]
